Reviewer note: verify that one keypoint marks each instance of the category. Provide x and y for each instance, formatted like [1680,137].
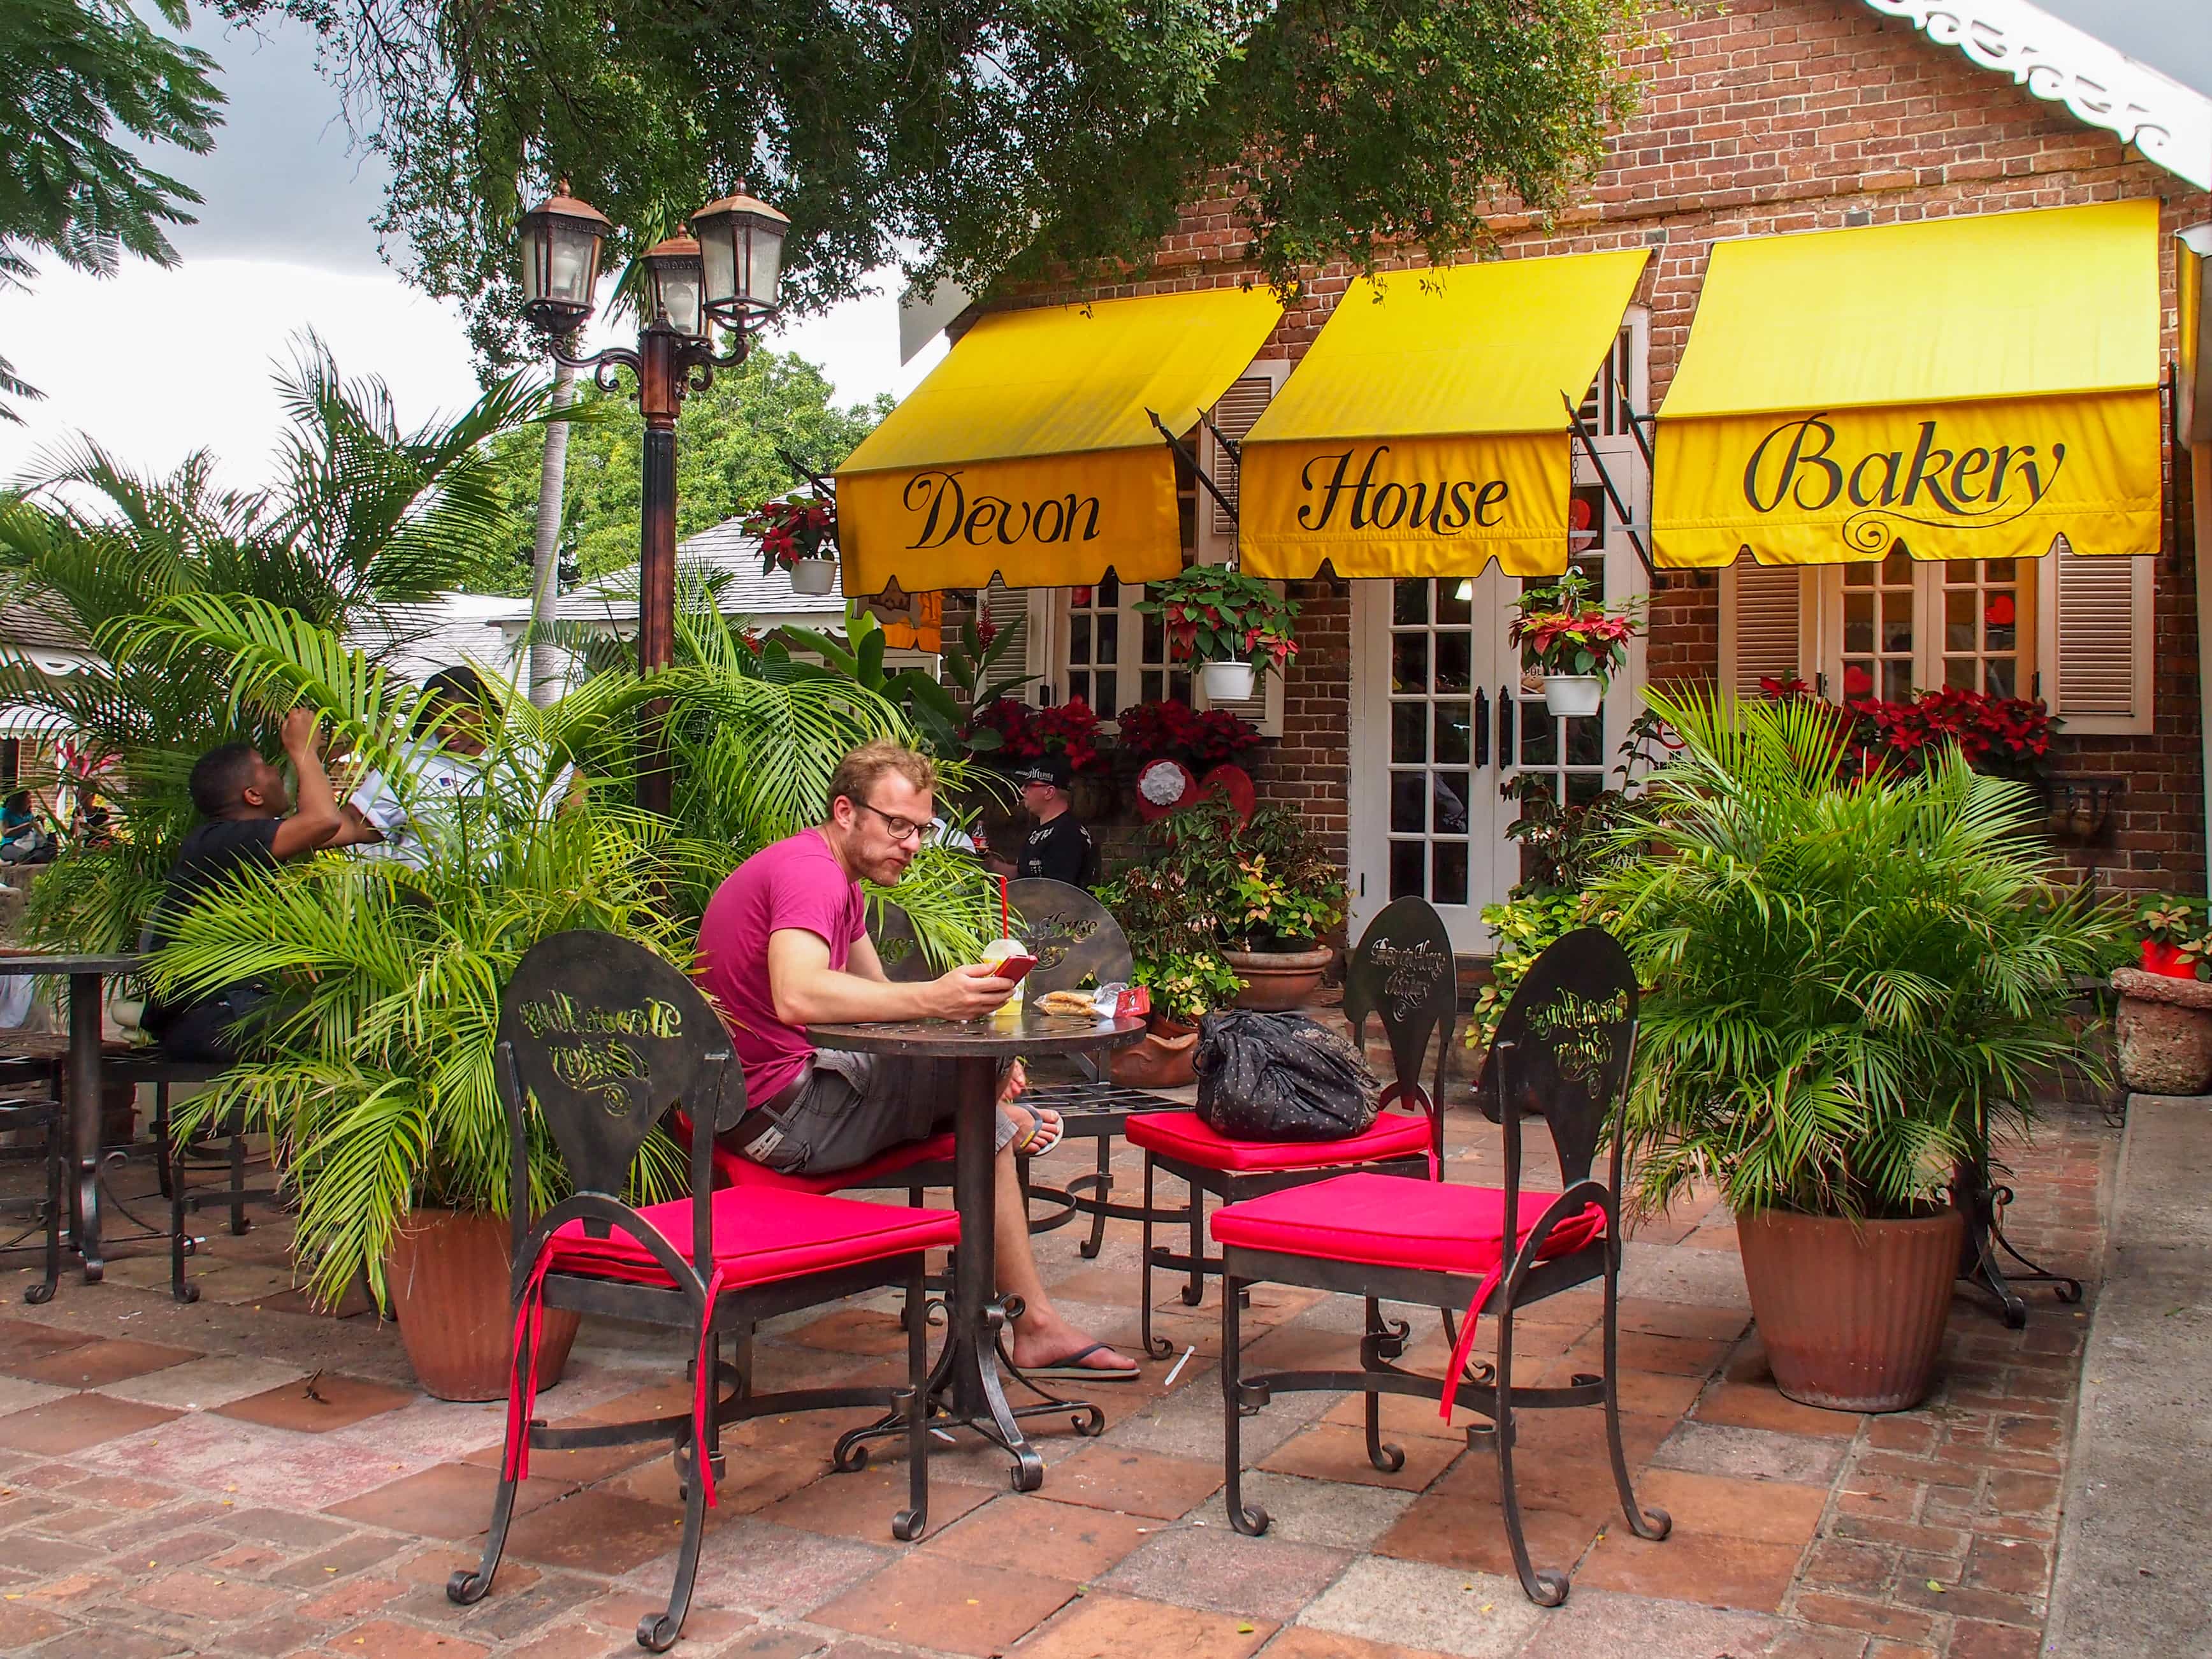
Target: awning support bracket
[1583,436]
[1183,450]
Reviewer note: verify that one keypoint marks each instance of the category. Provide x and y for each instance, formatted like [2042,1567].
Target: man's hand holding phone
[969,993]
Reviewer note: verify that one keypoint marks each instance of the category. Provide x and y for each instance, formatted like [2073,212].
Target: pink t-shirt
[796,882]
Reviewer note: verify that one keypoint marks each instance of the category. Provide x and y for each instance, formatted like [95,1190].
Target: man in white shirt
[402,817]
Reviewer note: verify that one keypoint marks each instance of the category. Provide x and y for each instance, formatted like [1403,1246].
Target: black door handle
[1504,725]
[1481,729]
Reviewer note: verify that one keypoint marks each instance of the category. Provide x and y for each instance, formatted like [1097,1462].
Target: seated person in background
[784,944]
[1060,848]
[398,818]
[248,819]
[21,840]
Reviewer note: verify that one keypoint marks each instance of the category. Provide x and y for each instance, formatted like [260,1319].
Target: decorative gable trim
[2103,86]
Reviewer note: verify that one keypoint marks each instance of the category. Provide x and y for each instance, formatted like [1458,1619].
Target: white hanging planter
[813,575]
[1226,682]
[1573,694]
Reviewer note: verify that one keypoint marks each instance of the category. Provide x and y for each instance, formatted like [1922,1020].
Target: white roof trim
[2169,123]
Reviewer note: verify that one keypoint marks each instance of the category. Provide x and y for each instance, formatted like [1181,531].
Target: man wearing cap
[1060,848]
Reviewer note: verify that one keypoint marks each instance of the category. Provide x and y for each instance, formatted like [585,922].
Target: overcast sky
[157,363]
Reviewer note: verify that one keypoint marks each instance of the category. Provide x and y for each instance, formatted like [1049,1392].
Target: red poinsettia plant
[1169,729]
[2007,736]
[1069,728]
[1562,629]
[1214,614]
[791,528]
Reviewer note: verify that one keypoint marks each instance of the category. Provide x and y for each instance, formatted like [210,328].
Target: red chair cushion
[1182,1135]
[1397,1221]
[761,1234]
[737,1170]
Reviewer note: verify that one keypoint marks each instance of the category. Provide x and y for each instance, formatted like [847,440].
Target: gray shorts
[855,1106]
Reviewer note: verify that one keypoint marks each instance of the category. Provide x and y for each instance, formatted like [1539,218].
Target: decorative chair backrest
[1402,971]
[606,1037]
[898,947]
[1564,1045]
[1074,936]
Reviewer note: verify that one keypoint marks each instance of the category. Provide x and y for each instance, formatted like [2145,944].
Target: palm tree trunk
[545,559]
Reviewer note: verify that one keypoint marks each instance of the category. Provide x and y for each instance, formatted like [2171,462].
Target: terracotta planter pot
[448,1275]
[1160,1061]
[2165,1031]
[1275,980]
[1852,1318]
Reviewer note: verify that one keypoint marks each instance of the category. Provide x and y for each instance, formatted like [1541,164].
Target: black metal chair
[1407,940]
[44,1114]
[1562,1051]
[598,1041]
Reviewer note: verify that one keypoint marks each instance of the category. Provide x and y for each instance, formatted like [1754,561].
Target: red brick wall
[1779,116]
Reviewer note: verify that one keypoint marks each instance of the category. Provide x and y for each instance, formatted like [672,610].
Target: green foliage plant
[2178,922]
[1205,879]
[1015,145]
[365,518]
[1839,975]
[72,73]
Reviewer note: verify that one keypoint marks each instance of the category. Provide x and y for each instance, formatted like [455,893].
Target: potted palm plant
[1237,627]
[798,535]
[1845,978]
[1575,643]
[378,1087]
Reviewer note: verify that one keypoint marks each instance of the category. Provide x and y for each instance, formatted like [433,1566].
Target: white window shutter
[2095,654]
[1030,608]
[1765,632]
[1240,406]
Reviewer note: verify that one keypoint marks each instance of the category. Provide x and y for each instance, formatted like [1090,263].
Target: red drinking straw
[1004,931]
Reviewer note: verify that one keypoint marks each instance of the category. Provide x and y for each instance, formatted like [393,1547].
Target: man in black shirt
[1060,848]
[245,804]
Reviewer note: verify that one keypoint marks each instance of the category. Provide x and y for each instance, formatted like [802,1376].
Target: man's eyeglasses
[898,829]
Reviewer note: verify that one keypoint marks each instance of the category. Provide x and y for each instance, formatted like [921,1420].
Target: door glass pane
[1453,726]
[1107,700]
[1449,885]
[1409,604]
[1407,732]
[1408,868]
[1586,741]
[1109,638]
[2004,677]
[1958,620]
[1958,673]
[1539,735]
[1447,799]
[1583,787]
[1858,623]
[1408,792]
[1409,663]
[1454,602]
[1453,654]
[1896,681]
[1078,638]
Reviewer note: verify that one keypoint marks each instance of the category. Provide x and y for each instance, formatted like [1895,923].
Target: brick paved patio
[169,1485]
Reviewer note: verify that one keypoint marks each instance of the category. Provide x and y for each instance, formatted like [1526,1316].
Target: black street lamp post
[726,274]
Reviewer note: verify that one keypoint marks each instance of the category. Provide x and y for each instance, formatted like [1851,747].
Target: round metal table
[965,1387]
[85,973]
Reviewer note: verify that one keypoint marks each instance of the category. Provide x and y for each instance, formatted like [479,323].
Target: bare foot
[1036,1128]
[1042,1339]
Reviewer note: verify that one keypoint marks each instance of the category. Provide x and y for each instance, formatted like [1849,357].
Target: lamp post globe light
[725,275]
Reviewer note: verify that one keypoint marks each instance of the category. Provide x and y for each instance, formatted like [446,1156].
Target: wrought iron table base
[1984,1202]
[966,1391]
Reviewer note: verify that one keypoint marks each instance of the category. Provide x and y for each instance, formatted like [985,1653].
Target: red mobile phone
[1011,969]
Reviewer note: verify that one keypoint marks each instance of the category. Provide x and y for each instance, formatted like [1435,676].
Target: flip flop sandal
[1043,1137]
[1071,1368]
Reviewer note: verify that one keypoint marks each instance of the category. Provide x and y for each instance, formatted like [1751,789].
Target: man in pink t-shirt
[784,945]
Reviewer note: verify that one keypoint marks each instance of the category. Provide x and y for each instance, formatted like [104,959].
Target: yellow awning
[1425,433]
[1028,453]
[1970,387]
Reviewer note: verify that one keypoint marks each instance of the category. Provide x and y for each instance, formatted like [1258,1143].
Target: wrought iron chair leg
[1546,1589]
[1248,1518]
[1194,1291]
[1157,1348]
[657,1633]
[1090,1248]
[179,1212]
[1388,1458]
[164,1161]
[238,1221]
[466,1588]
[55,1188]
[1654,1523]
[910,1521]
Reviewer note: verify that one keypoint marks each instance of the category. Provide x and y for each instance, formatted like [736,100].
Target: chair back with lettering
[1074,936]
[604,1039]
[1402,972]
[898,947]
[1562,1050]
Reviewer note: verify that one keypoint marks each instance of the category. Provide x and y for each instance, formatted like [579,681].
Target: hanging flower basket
[1573,694]
[799,536]
[1224,621]
[1575,643]
[1227,682]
